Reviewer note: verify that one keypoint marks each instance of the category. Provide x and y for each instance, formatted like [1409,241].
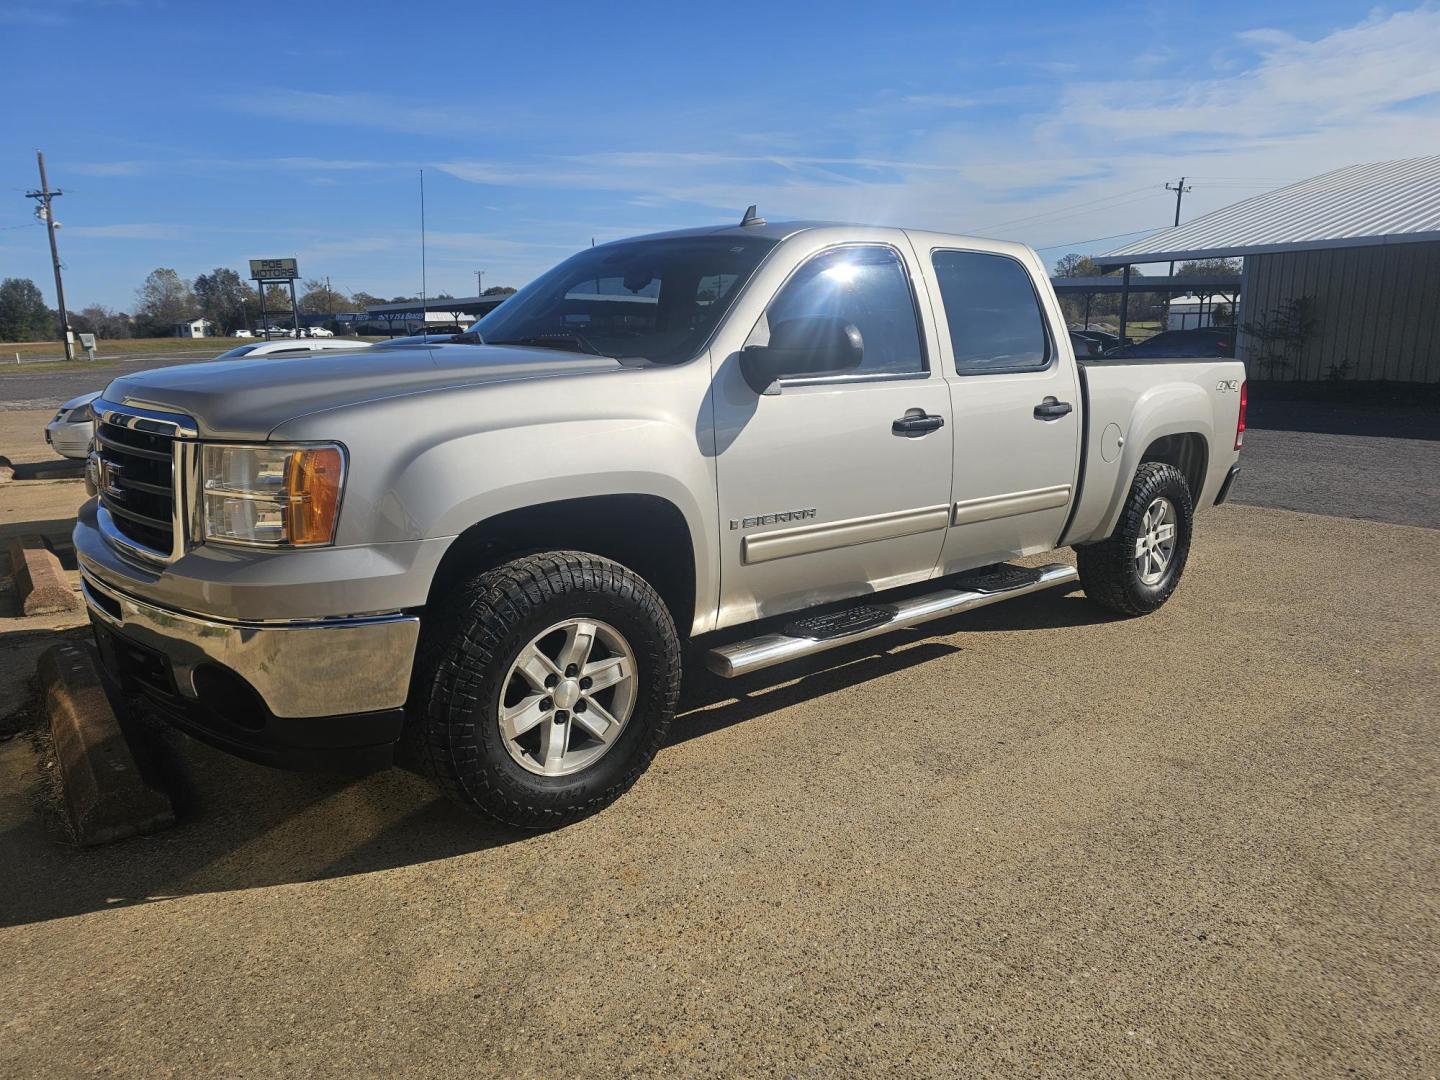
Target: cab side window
[992,312]
[866,285]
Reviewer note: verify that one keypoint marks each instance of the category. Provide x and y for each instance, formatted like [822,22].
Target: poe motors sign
[273,270]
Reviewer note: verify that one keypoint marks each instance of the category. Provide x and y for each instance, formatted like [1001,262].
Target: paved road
[1037,843]
[1367,462]
[20,389]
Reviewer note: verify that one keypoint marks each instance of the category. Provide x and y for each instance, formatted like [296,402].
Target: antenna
[751,217]
[423,312]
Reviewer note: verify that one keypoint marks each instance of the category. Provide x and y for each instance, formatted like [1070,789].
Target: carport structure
[1341,273]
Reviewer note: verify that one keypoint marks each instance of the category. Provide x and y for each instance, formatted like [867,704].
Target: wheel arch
[647,533]
[1187,451]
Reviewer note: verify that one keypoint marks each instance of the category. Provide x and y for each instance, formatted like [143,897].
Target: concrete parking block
[107,797]
[7,470]
[40,580]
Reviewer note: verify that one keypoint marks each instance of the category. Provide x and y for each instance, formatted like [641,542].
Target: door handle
[916,422]
[1052,409]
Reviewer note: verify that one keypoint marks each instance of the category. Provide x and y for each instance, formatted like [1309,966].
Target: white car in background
[242,333]
[289,347]
[320,331]
[69,434]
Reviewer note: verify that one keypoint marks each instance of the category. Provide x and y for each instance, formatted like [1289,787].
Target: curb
[106,796]
[39,578]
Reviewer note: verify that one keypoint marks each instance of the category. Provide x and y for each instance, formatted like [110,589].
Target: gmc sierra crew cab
[752,443]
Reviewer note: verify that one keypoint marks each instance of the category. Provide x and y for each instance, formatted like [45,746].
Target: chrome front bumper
[299,669]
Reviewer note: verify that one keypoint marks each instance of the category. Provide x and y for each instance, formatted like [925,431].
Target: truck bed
[1164,397]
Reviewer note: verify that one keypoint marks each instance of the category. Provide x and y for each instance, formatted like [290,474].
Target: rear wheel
[544,688]
[1136,569]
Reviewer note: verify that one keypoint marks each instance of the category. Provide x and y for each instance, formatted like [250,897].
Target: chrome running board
[756,653]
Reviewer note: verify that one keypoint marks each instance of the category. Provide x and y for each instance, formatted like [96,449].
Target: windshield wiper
[554,341]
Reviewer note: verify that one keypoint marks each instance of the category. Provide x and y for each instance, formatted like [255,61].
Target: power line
[1062,209]
[1092,240]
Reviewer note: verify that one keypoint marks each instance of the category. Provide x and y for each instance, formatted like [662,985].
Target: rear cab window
[992,313]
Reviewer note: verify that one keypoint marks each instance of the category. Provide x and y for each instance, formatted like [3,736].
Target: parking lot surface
[1031,841]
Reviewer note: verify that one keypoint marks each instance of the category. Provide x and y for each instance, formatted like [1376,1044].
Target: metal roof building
[1389,202]
[1342,272]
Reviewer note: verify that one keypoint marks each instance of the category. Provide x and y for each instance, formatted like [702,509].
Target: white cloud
[370,111]
[140,231]
[1088,162]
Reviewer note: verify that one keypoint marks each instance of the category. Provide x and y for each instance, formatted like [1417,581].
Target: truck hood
[248,399]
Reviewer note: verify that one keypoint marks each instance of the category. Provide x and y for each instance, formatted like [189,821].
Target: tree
[363,300]
[101,321]
[320,299]
[1208,268]
[225,299]
[498,290]
[1282,334]
[162,301]
[23,314]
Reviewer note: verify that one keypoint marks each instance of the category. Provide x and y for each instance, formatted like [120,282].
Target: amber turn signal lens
[312,480]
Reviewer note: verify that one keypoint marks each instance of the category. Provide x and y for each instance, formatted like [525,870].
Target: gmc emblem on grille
[110,475]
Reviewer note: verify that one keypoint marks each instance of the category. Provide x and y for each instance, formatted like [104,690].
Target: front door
[1015,396]
[821,494]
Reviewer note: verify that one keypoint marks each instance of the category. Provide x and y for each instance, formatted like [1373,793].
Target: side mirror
[812,345]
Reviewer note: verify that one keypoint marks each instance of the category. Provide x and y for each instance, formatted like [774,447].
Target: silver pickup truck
[746,444]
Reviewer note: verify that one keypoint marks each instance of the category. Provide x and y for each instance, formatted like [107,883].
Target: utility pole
[1179,189]
[43,198]
[479,282]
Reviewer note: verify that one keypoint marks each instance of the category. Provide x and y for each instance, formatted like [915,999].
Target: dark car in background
[1103,338]
[1209,341]
[1084,345]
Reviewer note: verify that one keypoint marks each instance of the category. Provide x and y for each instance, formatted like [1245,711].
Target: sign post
[276,272]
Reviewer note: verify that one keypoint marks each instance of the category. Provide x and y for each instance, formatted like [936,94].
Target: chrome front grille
[140,473]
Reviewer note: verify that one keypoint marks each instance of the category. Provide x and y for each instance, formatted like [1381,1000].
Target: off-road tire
[1108,572]
[467,646]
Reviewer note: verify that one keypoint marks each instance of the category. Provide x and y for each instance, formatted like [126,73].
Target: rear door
[1016,401]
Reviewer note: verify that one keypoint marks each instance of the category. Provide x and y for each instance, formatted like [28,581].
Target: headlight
[272,495]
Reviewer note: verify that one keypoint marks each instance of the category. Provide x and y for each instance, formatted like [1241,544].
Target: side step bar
[743,657]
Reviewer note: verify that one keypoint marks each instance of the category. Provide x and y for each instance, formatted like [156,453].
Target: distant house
[193,328]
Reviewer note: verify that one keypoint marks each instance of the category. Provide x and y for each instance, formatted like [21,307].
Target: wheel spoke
[1160,559]
[534,667]
[522,716]
[1142,544]
[607,672]
[1165,532]
[579,640]
[554,737]
[1145,564]
[597,720]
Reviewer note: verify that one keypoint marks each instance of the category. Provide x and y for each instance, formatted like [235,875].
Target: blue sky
[200,134]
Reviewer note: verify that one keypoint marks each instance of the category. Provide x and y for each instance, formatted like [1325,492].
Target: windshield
[236,352]
[656,300]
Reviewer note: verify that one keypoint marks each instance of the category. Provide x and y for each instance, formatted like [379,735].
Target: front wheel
[1136,569]
[544,688]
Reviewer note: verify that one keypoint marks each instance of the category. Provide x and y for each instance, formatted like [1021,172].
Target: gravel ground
[1034,842]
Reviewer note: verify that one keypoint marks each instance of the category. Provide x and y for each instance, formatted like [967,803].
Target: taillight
[1240,420]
